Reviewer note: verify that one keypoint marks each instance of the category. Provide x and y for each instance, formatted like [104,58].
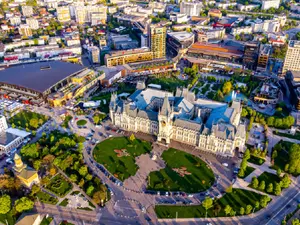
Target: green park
[189,174]
[28,120]
[118,155]
[234,202]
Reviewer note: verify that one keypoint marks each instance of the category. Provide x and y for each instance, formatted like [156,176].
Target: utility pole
[176,215]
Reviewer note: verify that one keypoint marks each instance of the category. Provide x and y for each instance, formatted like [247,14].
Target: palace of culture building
[209,125]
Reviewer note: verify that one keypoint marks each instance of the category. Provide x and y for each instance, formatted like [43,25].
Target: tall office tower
[63,14]
[191,8]
[292,57]
[157,40]
[251,55]
[27,10]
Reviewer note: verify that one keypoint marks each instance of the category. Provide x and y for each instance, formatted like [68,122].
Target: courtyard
[59,185]
[28,120]
[189,174]
[118,155]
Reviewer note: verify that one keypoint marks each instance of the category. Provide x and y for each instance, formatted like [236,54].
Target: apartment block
[292,57]
[63,14]
[158,40]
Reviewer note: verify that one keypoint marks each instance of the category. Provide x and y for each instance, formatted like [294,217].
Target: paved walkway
[240,183]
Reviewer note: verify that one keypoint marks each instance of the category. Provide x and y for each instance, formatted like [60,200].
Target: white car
[225,164]
[190,195]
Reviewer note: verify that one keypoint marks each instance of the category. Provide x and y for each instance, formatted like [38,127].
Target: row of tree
[20,205]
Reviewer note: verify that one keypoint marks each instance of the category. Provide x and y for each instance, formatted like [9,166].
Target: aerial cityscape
[172,112]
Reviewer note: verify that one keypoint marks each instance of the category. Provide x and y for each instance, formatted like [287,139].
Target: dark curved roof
[38,76]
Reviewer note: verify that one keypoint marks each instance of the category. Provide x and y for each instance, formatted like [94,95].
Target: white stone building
[191,8]
[208,125]
[267,4]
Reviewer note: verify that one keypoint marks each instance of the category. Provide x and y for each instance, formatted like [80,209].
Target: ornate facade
[208,125]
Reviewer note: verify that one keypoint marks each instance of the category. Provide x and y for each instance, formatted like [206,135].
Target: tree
[256,205]
[298,35]
[5,204]
[30,151]
[99,196]
[242,211]
[270,188]
[254,182]
[35,189]
[227,87]
[286,181]
[90,190]
[96,119]
[73,178]
[23,204]
[83,171]
[247,154]
[37,164]
[241,173]
[262,185]
[232,212]
[89,177]
[52,171]
[278,172]
[248,209]
[294,159]
[227,209]
[296,221]
[132,138]
[34,123]
[207,204]
[264,201]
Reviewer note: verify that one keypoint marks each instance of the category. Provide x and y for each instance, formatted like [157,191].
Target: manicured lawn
[59,185]
[28,120]
[200,178]
[122,167]
[283,155]
[46,198]
[46,220]
[256,160]
[64,202]
[81,122]
[236,199]
[248,170]
[296,136]
[268,178]
[66,121]
[168,83]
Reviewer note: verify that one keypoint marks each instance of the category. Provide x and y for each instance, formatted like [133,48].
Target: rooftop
[38,76]
[181,36]
[6,138]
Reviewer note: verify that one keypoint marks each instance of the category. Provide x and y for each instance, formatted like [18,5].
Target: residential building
[25,30]
[122,57]
[267,93]
[267,4]
[240,30]
[263,57]
[247,8]
[251,51]
[292,57]
[260,26]
[181,117]
[95,14]
[179,17]
[27,175]
[192,8]
[32,23]
[225,5]
[292,79]
[15,20]
[94,54]
[123,42]
[157,40]
[209,33]
[215,13]
[27,10]
[63,14]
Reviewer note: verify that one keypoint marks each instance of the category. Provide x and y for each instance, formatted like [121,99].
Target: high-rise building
[27,10]
[292,57]
[94,54]
[32,23]
[157,40]
[251,55]
[267,4]
[25,30]
[95,14]
[191,8]
[263,57]
[63,14]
